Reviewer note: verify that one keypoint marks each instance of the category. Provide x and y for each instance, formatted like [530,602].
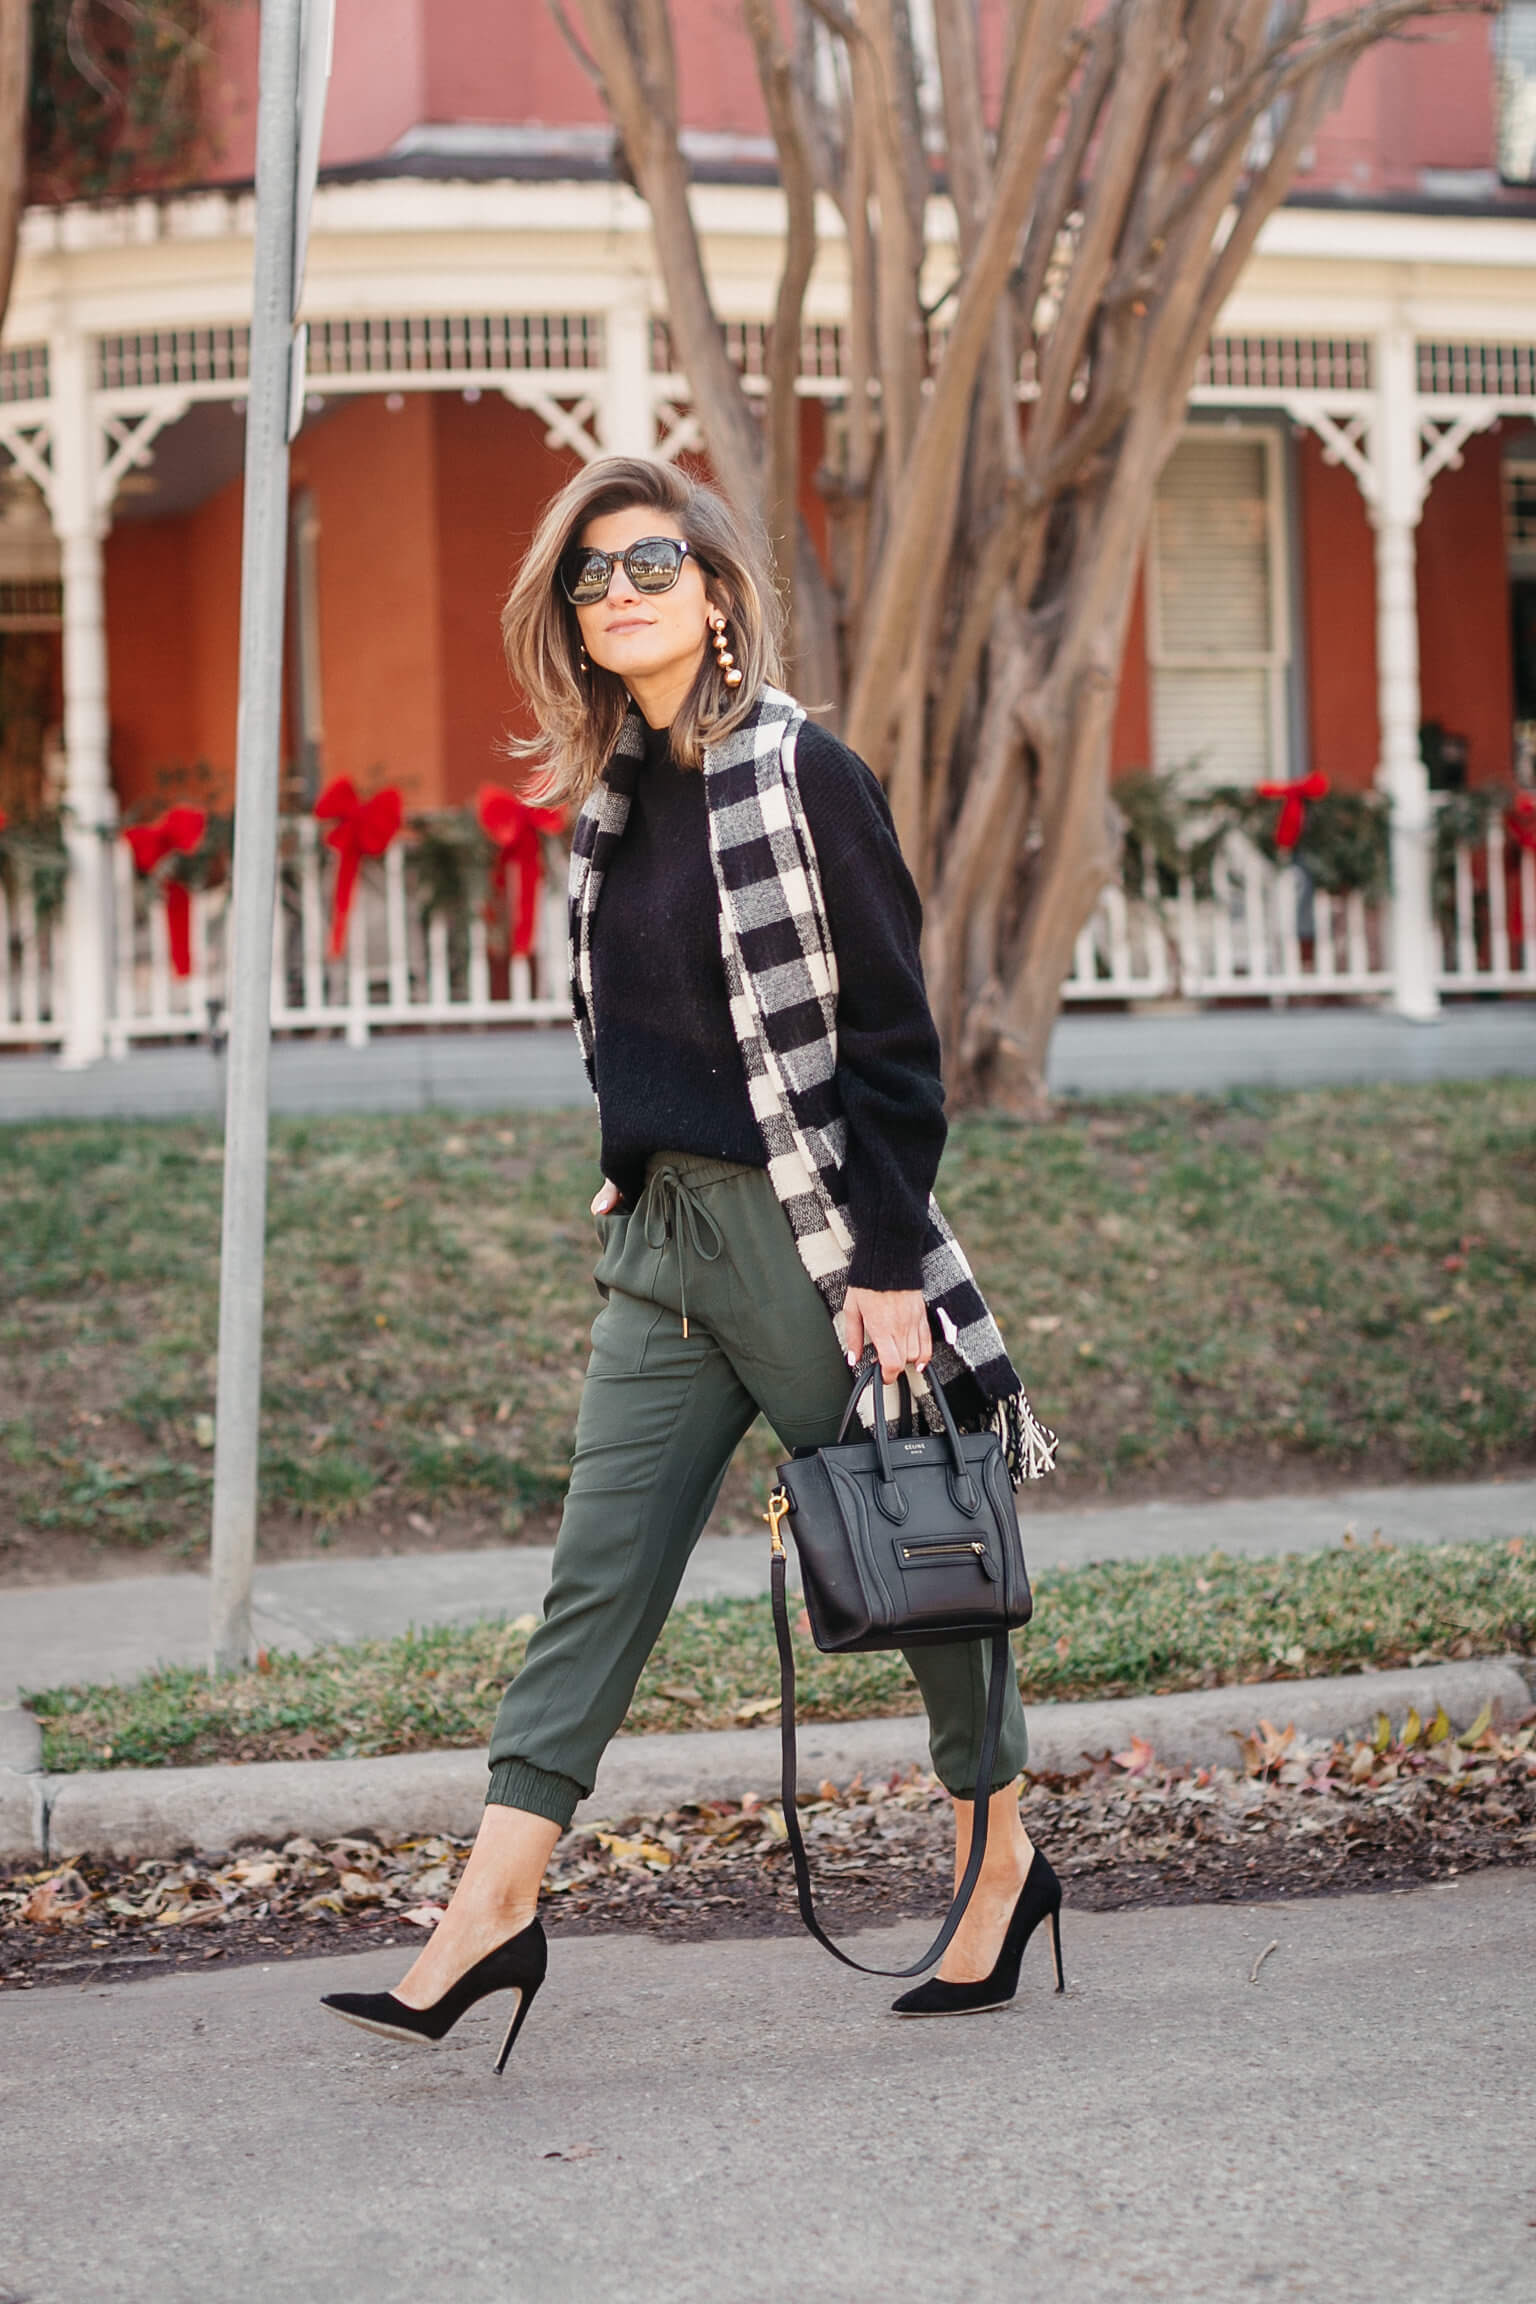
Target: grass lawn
[1261,1289]
[1119,1630]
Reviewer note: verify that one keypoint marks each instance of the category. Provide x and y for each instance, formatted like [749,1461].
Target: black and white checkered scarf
[781,975]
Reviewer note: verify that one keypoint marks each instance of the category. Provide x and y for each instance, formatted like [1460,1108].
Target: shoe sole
[986,2008]
[384,2031]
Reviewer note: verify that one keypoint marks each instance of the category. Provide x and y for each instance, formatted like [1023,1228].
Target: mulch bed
[1295,1819]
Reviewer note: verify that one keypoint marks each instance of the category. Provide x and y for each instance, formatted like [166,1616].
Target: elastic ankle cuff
[519,1784]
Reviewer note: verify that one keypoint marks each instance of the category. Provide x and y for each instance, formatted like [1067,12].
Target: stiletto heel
[516,1966]
[525,2000]
[1039,1899]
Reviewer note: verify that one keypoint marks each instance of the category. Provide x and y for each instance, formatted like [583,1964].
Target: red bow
[1521,820]
[1291,798]
[514,827]
[362,828]
[177,833]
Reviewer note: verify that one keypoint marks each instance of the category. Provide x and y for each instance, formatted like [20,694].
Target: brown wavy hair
[579,714]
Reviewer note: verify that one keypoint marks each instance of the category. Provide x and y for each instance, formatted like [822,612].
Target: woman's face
[644,635]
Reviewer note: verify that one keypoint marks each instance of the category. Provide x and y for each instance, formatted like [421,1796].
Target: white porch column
[1401,773]
[627,423]
[90,801]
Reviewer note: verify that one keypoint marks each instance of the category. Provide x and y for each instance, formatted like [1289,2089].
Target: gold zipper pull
[778,1511]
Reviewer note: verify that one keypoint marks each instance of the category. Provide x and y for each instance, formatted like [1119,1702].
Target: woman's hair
[579,713]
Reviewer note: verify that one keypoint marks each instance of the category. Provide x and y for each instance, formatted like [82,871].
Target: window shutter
[1214,582]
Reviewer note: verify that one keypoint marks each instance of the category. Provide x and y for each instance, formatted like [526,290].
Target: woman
[771,1129]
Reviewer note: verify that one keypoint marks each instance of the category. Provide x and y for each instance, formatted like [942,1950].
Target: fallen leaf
[758,1709]
[1137,1757]
[57,1899]
[641,1851]
[358,1889]
[253,1876]
[424,1915]
[680,1695]
[1043,1323]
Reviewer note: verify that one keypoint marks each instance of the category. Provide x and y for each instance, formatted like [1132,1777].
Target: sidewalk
[1117,1055]
[54,1635]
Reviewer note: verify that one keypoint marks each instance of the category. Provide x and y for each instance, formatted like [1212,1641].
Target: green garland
[1343,846]
[1461,821]
[34,845]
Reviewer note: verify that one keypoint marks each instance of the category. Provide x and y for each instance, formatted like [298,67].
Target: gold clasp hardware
[778,1510]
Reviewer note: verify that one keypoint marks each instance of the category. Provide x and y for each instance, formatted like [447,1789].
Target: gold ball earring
[723,656]
[581,655]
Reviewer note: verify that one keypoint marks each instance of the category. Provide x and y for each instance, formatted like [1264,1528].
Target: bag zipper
[936,1550]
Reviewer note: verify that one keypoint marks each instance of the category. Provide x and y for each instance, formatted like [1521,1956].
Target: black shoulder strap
[1002,1665]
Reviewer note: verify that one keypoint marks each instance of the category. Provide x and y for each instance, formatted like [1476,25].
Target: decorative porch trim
[28,441]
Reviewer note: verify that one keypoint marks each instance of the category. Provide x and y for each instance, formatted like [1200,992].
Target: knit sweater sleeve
[888,1066]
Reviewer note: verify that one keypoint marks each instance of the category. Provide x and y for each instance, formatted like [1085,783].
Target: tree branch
[782,101]
[1047,59]
[633,52]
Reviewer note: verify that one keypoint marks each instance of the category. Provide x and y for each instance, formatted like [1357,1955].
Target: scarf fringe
[1028,1445]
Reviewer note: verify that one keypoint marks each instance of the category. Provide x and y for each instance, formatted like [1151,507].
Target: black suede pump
[516,1966]
[1039,1899]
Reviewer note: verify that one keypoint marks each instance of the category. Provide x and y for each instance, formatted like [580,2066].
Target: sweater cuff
[886,1259]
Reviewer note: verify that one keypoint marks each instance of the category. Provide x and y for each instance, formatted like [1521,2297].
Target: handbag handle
[893,1502]
[1002,1665]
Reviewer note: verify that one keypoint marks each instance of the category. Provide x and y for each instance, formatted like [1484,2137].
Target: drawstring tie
[673,1212]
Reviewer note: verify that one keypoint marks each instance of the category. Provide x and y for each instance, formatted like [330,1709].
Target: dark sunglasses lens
[584,575]
[654,563]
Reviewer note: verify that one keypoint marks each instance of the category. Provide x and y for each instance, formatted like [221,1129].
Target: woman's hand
[895,1321]
[606,1198]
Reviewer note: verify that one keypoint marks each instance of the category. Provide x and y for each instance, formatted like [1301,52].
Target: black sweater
[669,1074]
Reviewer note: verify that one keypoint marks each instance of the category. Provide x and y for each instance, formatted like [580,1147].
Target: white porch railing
[1259,933]
[30,966]
[1254,934]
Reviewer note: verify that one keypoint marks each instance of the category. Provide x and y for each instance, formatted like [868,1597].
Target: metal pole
[262,576]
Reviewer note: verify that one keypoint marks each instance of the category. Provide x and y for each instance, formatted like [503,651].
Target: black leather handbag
[904,1540]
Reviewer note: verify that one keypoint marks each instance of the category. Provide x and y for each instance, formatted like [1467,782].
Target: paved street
[1089,1056]
[1354,2125]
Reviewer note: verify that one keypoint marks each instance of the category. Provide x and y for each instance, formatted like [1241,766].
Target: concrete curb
[160,1811]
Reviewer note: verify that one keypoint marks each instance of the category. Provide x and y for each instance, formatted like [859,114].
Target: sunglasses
[654,564]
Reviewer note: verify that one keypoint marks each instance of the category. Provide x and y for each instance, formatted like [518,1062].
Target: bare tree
[1001,443]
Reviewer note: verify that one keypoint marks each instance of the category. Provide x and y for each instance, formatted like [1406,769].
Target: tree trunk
[15,76]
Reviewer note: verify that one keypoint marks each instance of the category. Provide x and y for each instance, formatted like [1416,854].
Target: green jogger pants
[707,1250]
